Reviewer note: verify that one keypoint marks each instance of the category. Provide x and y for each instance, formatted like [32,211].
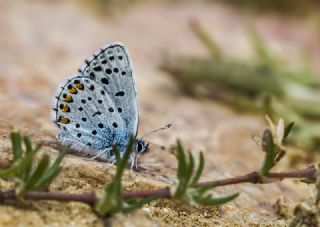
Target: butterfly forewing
[112,68]
[98,106]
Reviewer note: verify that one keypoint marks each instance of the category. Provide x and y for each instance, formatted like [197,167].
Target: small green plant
[273,140]
[186,187]
[28,173]
[112,201]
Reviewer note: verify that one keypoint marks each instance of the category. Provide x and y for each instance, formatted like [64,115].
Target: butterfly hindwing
[87,115]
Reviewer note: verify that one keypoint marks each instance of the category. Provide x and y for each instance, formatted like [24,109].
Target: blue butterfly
[98,106]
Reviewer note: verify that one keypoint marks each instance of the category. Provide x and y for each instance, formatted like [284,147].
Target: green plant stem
[309,173]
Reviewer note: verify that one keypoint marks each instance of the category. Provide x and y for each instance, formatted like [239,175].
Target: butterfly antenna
[157,130]
[160,146]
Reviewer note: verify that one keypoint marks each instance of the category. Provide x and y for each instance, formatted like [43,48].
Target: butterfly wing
[97,107]
[111,66]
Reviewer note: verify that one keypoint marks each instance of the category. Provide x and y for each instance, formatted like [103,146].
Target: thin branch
[253,177]
[160,193]
[90,198]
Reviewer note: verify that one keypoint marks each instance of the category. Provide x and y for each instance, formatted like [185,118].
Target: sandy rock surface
[42,42]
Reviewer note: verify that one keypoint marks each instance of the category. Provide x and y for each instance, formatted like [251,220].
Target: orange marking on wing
[68,99]
[72,90]
[65,108]
[79,86]
[64,120]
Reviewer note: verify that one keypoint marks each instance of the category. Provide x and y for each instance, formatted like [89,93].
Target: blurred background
[212,68]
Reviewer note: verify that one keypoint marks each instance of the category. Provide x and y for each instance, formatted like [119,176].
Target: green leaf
[24,175]
[11,170]
[185,178]
[16,145]
[182,168]
[198,173]
[287,130]
[216,201]
[28,144]
[19,165]
[207,41]
[37,173]
[270,155]
[182,163]
[260,48]
[190,167]
[203,189]
[52,171]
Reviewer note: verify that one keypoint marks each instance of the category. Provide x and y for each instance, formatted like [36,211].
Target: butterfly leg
[100,153]
[134,162]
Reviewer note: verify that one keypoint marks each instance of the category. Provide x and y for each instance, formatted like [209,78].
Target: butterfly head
[141,146]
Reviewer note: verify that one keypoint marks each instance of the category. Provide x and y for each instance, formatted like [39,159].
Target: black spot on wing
[104,81]
[120,93]
[96,113]
[97,68]
[92,76]
[108,71]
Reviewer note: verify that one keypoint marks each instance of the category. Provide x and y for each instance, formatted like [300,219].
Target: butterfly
[97,107]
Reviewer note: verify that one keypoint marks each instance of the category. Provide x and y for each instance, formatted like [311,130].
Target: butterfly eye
[139,147]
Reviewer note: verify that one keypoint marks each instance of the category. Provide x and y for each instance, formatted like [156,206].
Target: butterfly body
[97,107]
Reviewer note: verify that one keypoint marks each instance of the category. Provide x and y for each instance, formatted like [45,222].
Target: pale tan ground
[41,42]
